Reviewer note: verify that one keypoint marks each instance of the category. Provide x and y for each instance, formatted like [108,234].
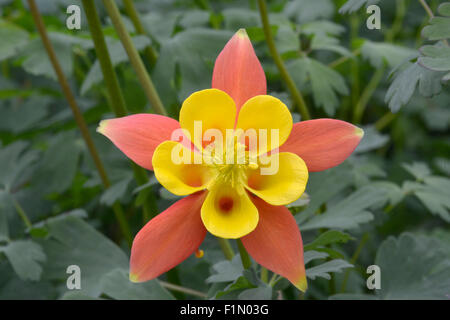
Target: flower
[227,192]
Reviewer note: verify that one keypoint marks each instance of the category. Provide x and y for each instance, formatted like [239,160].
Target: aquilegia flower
[237,157]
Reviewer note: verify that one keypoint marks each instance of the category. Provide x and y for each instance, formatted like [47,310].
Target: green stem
[21,213]
[367,94]
[295,93]
[355,256]
[134,16]
[134,57]
[427,8]
[226,248]
[246,262]
[175,287]
[385,120]
[273,280]
[116,99]
[77,115]
[264,275]
[109,76]
[378,75]
[343,59]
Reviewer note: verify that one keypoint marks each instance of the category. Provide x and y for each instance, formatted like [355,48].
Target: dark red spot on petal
[226,204]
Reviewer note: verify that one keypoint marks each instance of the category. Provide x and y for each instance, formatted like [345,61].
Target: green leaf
[350,212]
[117,285]
[194,18]
[326,83]
[328,237]
[319,191]
[419,170]
[287,40]
[436,58]
[236,18]
[25,257]
[15,159]
[305,10]
[379,53]
[413,267]
[323,270]
[181,67]
[116,192]
[444,9]
[310,255]
[354,5]
[226,270]
[12,39]
[434,193]
[260,293]
[322,27]
[36,59]
[239,284]
[20,117]
[325,42]
[58,165]
[71,241]
[406,81]
[14,288]
[438,29]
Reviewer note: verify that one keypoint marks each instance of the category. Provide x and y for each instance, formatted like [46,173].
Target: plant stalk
[226,248]
[175,287]
[151,54]
[355,256]
[295,93]
[21,213]
[246,262]
[134,57]
[116,99]
[117,208]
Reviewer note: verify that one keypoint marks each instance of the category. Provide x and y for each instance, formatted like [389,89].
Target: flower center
[230,163]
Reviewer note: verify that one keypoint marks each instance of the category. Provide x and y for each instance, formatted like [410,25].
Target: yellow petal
[210,108]
[267,113]
[229,213]
[280,179]
[175,169]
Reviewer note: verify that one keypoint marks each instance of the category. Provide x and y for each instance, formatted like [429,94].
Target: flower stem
[367,94]
[355,256]
[109,76]
[385,120]
[117,208]
[175,287]
[295,93]
[264,275]
[246,262]
[134,57]
[427,8]
[21,213]
[226,248]
[378,75]
[116,99]
[134,16]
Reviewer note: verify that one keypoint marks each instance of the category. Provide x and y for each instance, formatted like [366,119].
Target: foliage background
[388,204]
